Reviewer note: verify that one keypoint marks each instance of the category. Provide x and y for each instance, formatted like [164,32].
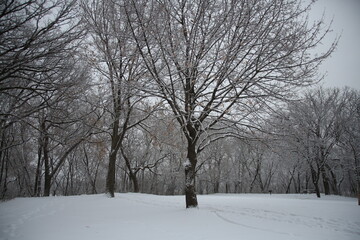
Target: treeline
[115,96]
[309,146]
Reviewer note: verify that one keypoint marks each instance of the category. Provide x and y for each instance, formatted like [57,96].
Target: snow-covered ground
[141,216]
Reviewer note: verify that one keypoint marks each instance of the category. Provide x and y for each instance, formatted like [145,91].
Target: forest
[169,98]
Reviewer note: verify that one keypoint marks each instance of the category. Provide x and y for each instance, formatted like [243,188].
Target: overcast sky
[343,68]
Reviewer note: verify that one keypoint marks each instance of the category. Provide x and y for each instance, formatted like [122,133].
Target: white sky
[343,67]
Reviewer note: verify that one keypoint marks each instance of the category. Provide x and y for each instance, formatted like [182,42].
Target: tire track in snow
[337,225]
[248,226]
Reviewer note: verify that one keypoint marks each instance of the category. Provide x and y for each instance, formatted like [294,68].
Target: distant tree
[116,60]
[64,125]
[39,43]
[216,62]
[139,157]
[313,127]
[350,140]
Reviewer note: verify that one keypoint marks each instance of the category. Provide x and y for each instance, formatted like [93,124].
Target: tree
[214,62]
[313,126]
[36,38]
[349,141]
[39,41]
[117,62]
[64,126]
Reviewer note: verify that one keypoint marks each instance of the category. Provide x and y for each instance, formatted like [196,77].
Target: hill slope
[141,216]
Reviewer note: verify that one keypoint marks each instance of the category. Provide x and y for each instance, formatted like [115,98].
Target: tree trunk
[47,185]
[190,166]
[227,187]
[358,183]
[5,168]
[190,193]
[136,185]
[325,180]
[358,187]
[299,183]
[357,173]
[47,180]
[307,179]
[317,190]
[289,185]
[132,174]
[216,186]
[37,187]
[315,178]
[115,145]
[135,182]
[334,183]
[110,179]
[3,161]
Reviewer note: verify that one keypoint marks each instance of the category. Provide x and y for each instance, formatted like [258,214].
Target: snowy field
[141,216]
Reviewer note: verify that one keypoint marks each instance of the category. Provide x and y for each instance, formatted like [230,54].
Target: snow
[219,216]
[187,163]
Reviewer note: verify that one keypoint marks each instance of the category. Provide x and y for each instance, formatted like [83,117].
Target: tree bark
[115,146]
[132,174]
[190,166]
[334,183]
[47,180]
[37,185]
[5,168]
[135,183]
[325,180]
[289,185]
[357,174]
[315,178]
[110,179]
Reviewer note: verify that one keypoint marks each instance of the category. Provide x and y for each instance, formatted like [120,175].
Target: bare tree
[349,141]
[215,62]
[36,36]
[116,59]
[314,126]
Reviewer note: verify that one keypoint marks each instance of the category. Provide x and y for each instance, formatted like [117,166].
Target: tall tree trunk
[37,185]
[307,180]
[299,183]
[5,168]
[47,179]
[325,180]
[292,179]
[2,158]
[132,174]
[334,183]
[110,179]
[134,180]
[289,185]
[357,175]
[358,189]
[216,186]
[254,179]
[190,166]
[227,187]
[3,171]
[135,183]
[315,178]
[115,145]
